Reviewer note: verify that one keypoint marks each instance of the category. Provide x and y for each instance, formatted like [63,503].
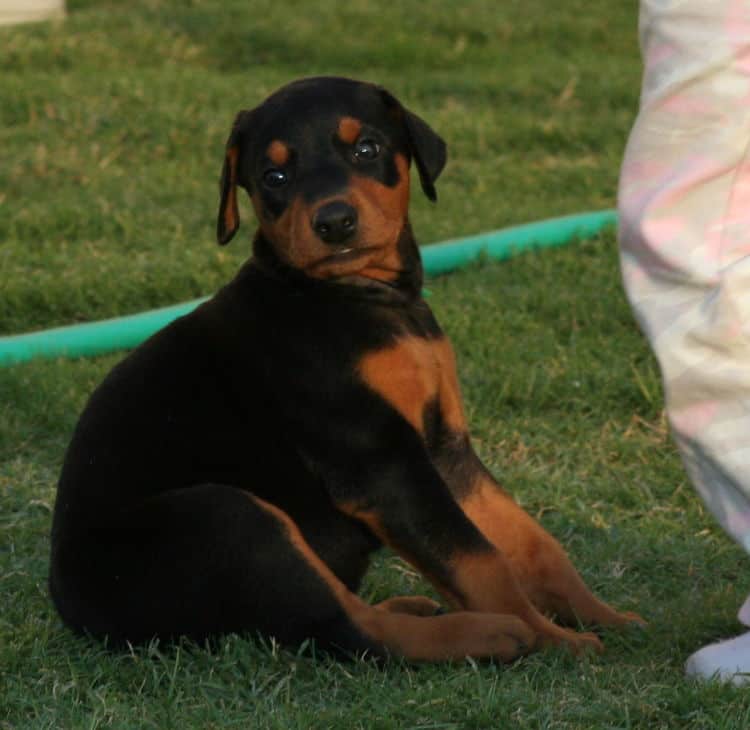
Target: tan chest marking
[451,404]
[412,373]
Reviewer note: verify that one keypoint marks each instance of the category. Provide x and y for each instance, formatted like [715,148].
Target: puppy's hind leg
[198,562]
[213,559]
[406,625]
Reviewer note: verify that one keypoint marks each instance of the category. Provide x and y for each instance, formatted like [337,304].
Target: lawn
[112,127]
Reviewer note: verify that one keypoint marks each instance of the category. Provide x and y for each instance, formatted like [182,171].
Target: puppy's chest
[413,374]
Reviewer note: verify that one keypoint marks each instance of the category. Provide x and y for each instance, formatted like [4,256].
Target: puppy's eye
[366,150]
[274,178]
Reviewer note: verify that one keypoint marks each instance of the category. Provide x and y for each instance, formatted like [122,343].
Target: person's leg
[684,205]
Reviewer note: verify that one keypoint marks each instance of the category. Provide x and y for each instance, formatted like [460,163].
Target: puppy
[236,471]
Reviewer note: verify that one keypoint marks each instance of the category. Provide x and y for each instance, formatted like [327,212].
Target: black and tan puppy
[236,471]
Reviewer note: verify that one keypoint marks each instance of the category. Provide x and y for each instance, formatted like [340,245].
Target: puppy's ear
[427,147]
[229,213]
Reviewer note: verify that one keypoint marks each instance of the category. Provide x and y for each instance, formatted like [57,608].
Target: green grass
[111,133]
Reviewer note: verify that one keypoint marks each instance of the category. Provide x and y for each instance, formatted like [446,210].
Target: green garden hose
[122,333]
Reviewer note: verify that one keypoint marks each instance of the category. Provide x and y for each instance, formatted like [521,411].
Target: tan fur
[407,375]
[349,129]
[278,153]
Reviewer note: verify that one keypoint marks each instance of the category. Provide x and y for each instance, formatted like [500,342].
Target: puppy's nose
[335,222]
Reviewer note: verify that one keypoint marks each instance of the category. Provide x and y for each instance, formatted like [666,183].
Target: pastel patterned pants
[684,204]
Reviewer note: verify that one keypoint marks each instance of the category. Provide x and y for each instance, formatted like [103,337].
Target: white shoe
[725,661]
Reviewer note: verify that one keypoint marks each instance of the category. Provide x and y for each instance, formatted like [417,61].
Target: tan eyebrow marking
[278,152]
[349,129]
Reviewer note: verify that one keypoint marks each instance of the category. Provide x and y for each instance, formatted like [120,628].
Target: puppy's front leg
[546,574]
[408,506]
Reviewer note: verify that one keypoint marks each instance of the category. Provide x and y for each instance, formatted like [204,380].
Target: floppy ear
[426,146]
[229,213]
[429,151]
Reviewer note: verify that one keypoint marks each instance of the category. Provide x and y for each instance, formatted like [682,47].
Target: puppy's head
[325,162]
